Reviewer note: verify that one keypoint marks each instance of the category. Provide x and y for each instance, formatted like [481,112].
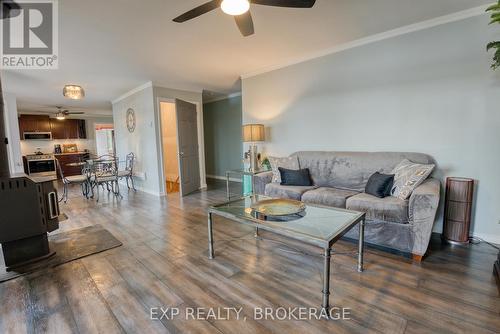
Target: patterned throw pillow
[407,176]
[288,163]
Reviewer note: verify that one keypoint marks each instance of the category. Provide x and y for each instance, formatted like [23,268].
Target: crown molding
[133,91]
[234,95]
[225,97]
[458,16]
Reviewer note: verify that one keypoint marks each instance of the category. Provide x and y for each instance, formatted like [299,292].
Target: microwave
[37,135]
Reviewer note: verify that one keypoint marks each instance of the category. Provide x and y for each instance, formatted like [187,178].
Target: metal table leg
[361,243]
[252,183]
[227,187]
[326,281]
[252,178]
[210,237]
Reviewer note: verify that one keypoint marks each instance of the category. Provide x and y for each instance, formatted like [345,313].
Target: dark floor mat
[69,246]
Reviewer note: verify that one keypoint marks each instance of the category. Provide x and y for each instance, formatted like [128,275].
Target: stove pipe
[4,158]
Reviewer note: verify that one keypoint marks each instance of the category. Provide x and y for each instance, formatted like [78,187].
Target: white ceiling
[112,46]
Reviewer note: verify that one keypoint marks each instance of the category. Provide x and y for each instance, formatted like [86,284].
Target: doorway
[104,139]
[168,121]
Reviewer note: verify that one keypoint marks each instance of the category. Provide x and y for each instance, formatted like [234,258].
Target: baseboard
[494,239]
[496,271]
[217,177]
[144,190]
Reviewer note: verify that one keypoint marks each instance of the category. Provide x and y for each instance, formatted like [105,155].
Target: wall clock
[130,120]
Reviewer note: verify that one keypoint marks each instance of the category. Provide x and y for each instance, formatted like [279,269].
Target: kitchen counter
[72,153]
[36,179]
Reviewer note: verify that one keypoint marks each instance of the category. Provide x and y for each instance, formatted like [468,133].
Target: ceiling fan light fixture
[60,116]
[73,92]
[235,7]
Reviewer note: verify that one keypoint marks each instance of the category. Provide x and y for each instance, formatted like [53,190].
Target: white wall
[12,132]
[429,91]
[142,142]
[169,141]
[145,141]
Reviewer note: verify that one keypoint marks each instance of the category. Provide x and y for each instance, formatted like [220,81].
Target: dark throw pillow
[380,185]
[299,177]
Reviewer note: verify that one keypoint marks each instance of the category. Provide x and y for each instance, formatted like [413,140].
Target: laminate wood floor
[163,263]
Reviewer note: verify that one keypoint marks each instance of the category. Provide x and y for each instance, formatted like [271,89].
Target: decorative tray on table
[279,209]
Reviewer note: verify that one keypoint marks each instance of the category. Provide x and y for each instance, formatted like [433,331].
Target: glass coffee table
[318,226]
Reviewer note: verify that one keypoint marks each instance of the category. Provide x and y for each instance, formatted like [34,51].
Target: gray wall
[223,145]
[428,91]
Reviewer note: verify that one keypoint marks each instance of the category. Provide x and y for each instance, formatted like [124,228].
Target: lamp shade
[253,132]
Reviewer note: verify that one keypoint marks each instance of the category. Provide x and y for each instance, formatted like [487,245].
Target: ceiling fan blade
[10,9]
[286,3]
[74,113]
[245,23]
[200,10]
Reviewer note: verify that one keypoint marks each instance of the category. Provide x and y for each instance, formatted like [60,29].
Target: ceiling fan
[240,9]
[62,113]
[9,9]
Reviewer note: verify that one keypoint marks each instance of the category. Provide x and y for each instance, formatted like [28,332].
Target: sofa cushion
[380,185]
[328,196]
[407,176]
[291,177]
[291,162]
[390,209]
[292,192]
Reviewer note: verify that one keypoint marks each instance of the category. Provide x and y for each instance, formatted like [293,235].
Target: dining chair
[82,180]
[105,174]
[128,173]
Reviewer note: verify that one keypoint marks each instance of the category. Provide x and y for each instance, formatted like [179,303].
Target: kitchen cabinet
[72,128]
[68,128]
[34,123]
[82,129]
[58,128]
[75,129]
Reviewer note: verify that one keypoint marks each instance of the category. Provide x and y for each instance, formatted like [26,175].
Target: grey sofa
[339,181]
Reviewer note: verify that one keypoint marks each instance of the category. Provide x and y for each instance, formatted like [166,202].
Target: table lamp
[253,133]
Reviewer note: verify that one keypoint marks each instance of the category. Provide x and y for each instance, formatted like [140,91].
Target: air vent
[13,185]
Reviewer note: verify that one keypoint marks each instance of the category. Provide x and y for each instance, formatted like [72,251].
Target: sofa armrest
[260,181]
[423,205]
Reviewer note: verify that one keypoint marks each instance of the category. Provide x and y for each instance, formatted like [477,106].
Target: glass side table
[241,173]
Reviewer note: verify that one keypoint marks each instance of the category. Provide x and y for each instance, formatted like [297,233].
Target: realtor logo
[29,34]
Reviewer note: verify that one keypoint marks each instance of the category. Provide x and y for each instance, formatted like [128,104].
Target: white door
[104,141]
[187,139]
